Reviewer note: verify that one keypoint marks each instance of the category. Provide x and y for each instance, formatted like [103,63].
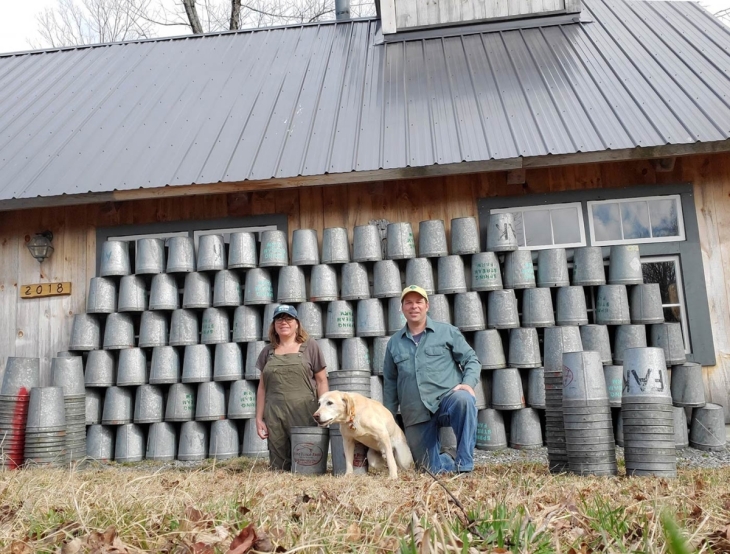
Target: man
[432,371]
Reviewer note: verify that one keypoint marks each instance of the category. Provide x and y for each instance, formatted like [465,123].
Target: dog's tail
[401,452]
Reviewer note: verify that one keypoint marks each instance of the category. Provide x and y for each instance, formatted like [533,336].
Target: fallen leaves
[251,539]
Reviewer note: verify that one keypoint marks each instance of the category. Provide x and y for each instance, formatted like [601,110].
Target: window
[541,227]
[661,219]
[636,220]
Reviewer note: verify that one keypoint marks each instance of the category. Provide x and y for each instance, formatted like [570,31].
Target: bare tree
[724,15]
[77,22]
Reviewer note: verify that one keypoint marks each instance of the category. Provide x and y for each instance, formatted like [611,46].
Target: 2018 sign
[40,290]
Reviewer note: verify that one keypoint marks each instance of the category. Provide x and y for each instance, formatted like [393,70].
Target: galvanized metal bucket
[216,326]
[323,284]
[163,293]
[253,349]
[329,354]
[132,369]
[149,404]
[130,443]
[184,328]
[489,349]
[536,388]
[451,276]
[118,406]
[588,268]
[501,235]
[355,282]
[292,285]
[253,446]
[340,320]
[153,329]
[707,431]
[180,255]
[304,247]
[114,259]
[197,291]
[491,433]
[396,319]
[379,347]
[552,268]
[309,450]
[197,364]
[211,402]
[645,377]
[571,306]
[132,294]
[68,373]
[400,243]
[335,246]
[149,256]
[350,381]
[681,431]
[46,410]
[259,287]
[624,267]
[370,318]
[118,332]
[242,400]
[432,239]
[311,318]
[469,312]
[268,318]
[224,441]
[668,336]
[85,333]
[519,272]
[180,402]
[537,308]
[355,355]
[242,251]
[274,249]
[165,366]
[687,387]
[627,336]
[556,342]
[247,324]
[438,308]
[486,273]
[612,305]
[419,271]
[507,389]
[161,442]
[525,430]
[102,296]
[584,384]
[614,376]
[360,456]
[366,244]
[595,337]
[464,236]
[227,291]
[100,442]
[502,309]
[94,404]
[387,280]
[524,348]
[646,304]
[228,362]
[194,438]
[211,253]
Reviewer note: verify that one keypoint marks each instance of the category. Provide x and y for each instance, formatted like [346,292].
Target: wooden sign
[40,290]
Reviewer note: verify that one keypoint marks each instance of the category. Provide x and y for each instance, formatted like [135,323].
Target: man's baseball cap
[285,309]
[416,289]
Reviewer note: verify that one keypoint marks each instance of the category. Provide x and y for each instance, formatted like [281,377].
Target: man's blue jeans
[457,410]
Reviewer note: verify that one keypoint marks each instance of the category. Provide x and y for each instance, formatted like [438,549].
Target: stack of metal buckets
[171,334]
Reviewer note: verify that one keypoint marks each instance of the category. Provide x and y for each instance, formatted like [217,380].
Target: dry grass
[519,508]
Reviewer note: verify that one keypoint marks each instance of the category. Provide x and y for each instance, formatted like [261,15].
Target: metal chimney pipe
[342,9]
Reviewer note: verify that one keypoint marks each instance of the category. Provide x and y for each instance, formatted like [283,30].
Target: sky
[18,23]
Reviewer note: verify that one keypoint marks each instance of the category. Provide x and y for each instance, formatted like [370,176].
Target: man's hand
[467,388]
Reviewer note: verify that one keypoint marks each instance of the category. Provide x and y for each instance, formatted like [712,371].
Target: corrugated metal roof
[318,99]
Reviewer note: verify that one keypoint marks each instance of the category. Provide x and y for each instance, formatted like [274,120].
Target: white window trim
[581,226]
[133,238]
[680,293]
[680,220]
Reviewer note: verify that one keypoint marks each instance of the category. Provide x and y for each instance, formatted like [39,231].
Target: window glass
[537,228]
[606,222]
[635,220]
[664,220]
[566,226]
[665,272]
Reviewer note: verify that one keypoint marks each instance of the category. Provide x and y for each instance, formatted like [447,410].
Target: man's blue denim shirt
[417,376]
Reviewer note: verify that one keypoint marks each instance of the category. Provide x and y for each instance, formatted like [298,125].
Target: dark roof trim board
[322,103]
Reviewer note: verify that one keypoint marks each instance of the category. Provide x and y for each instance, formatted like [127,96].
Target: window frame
[688,250]
[650,240]
[560,205]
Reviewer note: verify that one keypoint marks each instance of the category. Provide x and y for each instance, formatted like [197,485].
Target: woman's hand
[261,429]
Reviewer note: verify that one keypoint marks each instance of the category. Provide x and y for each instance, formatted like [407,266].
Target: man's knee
[463,400]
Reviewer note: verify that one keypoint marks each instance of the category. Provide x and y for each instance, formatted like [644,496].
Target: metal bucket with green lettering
[242,399]
[340,322]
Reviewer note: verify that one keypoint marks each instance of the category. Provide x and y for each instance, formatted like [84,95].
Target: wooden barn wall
[41,327]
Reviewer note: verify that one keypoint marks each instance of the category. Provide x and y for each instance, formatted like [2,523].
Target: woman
[293,377]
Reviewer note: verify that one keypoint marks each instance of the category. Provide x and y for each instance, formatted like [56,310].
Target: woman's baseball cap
[285,309]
